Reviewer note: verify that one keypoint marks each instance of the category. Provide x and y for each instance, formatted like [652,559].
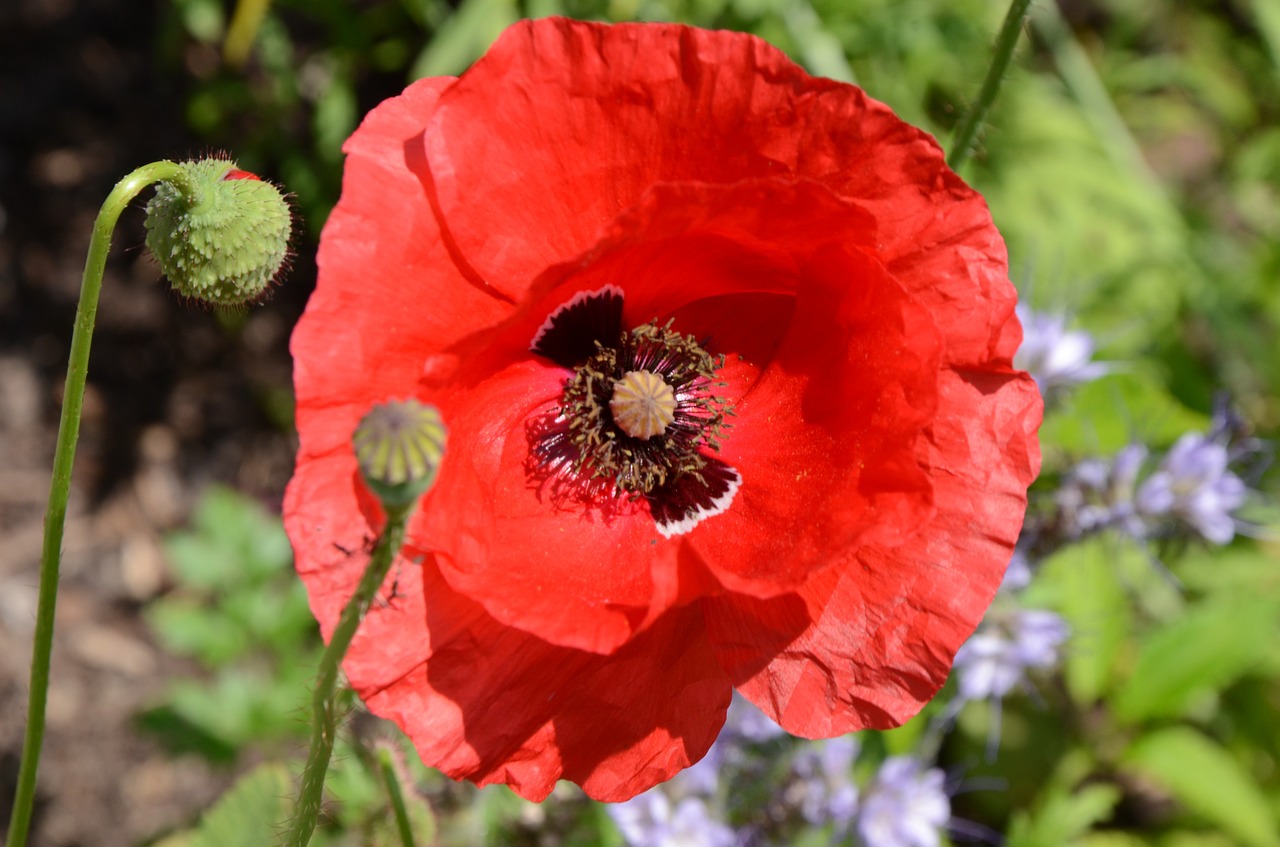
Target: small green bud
[399,445]
[222,236]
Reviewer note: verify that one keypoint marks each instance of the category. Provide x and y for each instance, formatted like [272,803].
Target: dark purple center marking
[581,454]
[691,498]
[569,334]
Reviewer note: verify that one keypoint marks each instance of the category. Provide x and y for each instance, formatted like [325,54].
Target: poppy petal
[382,245]
[603,113]
[557,568]
[826,438]
[869,643]
[493,704]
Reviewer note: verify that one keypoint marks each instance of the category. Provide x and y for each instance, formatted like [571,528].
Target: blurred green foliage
[242,615]
[247,815]
[1133,164]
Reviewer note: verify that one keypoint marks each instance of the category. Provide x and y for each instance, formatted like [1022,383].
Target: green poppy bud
[223,236]
[399,445]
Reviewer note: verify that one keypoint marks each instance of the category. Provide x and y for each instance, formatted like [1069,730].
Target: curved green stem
[392,782]
[1006,41]
[60,489]
[324,721]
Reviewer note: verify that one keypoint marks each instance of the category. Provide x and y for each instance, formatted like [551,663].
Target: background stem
[967,132]
[60,489]
[396,797]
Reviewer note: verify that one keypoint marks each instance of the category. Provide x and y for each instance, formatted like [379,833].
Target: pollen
[643,405]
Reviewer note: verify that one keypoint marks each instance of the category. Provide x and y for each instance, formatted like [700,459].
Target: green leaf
[188,628]
[1083,584]
[233,542]
[1063,816]
[1207,649]
[1112,838]
[1206,779]
[200,561]
[1108,414]
[250,813]
[1239,570]
[464,37]
[178,733]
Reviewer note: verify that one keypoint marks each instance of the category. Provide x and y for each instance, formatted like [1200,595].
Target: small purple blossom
[824,790]
[1017,575]
[1099,494]
[906,805]
[676,812]
[1056,357]
[652,820]
[995,660]
[745,722]
[1194,484]
[744,726]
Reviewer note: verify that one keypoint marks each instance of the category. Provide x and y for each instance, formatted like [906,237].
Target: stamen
[643,405]
[640,418]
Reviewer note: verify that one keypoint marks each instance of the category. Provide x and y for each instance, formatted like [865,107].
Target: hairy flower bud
[398,447]
[222,236]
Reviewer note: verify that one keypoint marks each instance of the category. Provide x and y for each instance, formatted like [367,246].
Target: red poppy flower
[724,351]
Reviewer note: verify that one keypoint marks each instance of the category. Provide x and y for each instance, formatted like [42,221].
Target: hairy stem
[60,489]
[967,132]
[392,782]
[324,722]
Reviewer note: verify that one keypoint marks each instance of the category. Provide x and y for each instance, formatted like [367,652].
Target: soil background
[174,402]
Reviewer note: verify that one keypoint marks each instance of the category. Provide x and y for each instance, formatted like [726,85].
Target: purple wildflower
[747,724]
[824,790]
[1017,575]
[1194,484]
[1099,494]
[906,805]
[652,820]
[744,726]
[995,660]
[1056,357]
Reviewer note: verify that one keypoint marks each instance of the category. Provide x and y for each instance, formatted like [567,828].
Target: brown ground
[172,405]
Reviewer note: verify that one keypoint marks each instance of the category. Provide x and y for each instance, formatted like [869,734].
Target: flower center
[640,411]
[643,405]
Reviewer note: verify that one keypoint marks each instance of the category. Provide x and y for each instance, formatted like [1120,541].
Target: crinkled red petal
[832,367]
[563,125]
[826,438]
[867,644]
[491,703]
[859,291]
[578,576]
[389,301]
